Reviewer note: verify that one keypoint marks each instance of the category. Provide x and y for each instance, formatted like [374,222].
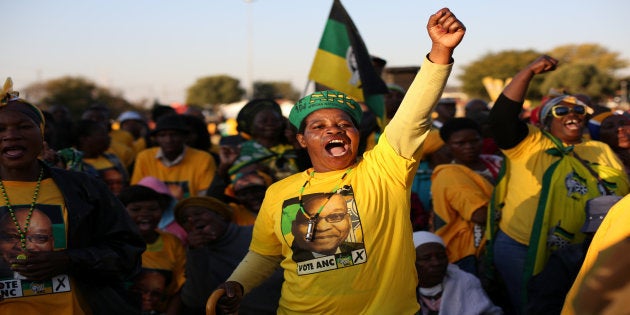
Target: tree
[502,65]
[594,54]
[275,89]
[580,78]
[77,94]
[584,68]
[264,90]
[214,90]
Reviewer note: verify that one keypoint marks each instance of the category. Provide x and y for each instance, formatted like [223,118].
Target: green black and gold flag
[343,63]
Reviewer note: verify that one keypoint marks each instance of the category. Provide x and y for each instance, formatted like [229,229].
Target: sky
[156,49]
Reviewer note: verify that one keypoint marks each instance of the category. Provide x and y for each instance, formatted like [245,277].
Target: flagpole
[250,51]
[304,93]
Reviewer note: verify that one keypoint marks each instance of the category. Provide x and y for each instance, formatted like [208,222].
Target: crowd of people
[489,213]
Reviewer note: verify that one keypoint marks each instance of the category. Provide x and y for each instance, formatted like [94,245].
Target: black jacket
[104,244]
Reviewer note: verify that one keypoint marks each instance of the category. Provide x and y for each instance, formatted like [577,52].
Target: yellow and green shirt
[373,270]
[59,293]
[457,192]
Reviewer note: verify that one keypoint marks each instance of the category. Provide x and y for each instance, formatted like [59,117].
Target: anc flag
[343,63]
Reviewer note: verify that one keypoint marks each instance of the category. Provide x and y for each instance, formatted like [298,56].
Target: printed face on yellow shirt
[39,236]
[332,227]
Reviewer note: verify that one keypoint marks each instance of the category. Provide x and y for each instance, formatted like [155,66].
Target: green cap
[322,100]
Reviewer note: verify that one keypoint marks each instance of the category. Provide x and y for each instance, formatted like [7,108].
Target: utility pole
[624,94]
[250,51]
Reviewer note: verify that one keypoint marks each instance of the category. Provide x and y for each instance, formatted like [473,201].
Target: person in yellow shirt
[95,245]
[605,267]
[122,141]
[93,140]
[551,172]
[185,170]
[135,124]
[379,275]
[461,192]
[248,190]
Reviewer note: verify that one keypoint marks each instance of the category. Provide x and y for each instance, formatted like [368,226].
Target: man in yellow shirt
[186,171]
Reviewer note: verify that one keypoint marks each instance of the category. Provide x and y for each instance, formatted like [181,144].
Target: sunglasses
[562,110]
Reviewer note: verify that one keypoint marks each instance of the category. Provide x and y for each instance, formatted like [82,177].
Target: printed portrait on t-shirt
[45,232]
[324,231]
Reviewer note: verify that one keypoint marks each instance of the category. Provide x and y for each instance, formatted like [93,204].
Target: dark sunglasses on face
[563,110]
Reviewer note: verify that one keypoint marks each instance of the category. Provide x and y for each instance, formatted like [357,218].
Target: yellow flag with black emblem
[342,62]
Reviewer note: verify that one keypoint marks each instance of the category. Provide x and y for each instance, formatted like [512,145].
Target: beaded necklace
[21,231]
[312,221]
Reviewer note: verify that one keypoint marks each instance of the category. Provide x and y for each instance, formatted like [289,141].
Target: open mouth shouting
[573,124]
[337,147]
[146,224]
[13,152]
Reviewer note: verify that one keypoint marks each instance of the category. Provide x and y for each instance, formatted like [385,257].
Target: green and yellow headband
[322,100]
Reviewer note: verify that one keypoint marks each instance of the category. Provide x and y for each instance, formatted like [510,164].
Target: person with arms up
[538,203]
[96,247]
[379,275]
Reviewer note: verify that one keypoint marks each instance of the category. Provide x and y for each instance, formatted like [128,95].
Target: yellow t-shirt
[612,230]
[374,268]
[124,152]
[167,253]
[121,136]
[100,163]
[433,143]
[457,192]
[49,219]
[527,164]
[190,177]
[139,145]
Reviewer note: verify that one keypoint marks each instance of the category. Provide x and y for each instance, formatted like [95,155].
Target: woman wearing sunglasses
[550,173]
